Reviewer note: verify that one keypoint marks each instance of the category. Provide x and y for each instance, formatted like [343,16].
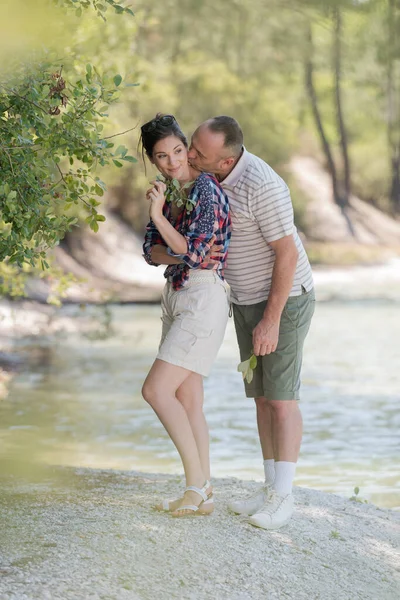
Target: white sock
[284,475]
[269,470]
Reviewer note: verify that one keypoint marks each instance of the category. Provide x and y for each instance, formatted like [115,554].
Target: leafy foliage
[100,6]
[51,143]
[177,194]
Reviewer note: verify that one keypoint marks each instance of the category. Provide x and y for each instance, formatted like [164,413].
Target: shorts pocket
[186,338]
[291,311]
[199,330]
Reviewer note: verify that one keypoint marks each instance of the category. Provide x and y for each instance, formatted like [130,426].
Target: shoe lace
[272,504]
[266,490]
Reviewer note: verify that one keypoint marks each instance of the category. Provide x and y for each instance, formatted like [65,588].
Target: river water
[84,407]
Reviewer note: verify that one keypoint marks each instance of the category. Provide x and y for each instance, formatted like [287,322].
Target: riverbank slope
[85,534]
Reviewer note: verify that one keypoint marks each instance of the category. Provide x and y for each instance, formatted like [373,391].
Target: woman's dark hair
[162,126]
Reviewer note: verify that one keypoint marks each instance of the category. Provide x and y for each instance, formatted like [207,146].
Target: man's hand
[265,337]
[216,251]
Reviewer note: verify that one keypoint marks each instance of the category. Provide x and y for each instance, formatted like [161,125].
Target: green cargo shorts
[277,375]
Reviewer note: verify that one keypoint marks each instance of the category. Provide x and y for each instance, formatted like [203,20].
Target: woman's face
[170,158]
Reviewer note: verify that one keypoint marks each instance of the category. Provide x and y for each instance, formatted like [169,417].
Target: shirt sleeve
[151,238]
[201,228]
[271,206]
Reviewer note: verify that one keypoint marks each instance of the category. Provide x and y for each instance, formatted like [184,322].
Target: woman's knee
[151,392]
[190,394]
[190,402]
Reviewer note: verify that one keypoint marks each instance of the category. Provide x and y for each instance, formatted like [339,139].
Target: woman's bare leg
[191,395]
[159,390]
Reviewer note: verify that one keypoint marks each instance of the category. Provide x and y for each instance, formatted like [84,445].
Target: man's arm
[160,256]
[266,333]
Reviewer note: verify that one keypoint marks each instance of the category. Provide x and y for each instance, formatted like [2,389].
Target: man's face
[206,152]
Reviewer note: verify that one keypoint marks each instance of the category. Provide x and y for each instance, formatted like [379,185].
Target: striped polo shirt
[261,212]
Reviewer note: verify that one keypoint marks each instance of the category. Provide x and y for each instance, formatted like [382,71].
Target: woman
[195,302]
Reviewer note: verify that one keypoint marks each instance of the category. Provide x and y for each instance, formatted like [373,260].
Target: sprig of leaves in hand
[246,368]
[176,193]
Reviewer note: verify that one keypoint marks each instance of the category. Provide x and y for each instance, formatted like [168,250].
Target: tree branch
[11,91]
[108,137]
[9,159]
[63,179]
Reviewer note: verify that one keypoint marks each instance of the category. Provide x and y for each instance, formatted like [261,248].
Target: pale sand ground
[84,534]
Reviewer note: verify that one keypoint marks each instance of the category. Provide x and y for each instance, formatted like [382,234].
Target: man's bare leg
[264,423]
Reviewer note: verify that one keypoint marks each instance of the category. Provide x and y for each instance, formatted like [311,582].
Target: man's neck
[224,175]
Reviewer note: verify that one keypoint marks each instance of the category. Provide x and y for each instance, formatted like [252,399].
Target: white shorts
[194,321]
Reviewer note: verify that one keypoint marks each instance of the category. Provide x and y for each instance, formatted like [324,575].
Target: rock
[362,223]
[108,264]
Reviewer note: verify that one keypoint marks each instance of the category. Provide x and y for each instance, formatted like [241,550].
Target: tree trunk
[395,187]
[345,188]
[310,87]
[393,92]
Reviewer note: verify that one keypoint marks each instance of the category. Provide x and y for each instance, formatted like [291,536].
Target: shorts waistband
[197,276]
[203,275]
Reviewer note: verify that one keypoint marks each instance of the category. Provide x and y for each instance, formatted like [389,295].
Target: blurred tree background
[310,78]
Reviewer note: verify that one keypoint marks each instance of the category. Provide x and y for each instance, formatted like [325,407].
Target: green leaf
[100,218]
[249,375]
[94,226]
[243,366]
[117,80]
[117,163]
[98,190]
[120,150]
[253,361]
[130,159]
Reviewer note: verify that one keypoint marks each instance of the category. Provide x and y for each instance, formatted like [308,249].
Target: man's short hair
[233,135]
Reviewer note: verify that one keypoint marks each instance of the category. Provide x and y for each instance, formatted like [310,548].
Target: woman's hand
[156,195]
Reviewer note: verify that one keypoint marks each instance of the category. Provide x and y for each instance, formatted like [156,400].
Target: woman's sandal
[206,507]
[193,509]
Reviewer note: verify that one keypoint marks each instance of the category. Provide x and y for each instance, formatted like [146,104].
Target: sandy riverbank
[84,534]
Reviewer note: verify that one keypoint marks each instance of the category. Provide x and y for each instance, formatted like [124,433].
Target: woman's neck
[190,175]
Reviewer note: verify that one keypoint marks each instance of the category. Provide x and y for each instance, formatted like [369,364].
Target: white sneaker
[252,504]
[275,513]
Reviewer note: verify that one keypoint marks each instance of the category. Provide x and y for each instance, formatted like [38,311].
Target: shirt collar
[233,177]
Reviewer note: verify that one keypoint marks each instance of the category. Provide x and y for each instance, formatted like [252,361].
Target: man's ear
[228,162]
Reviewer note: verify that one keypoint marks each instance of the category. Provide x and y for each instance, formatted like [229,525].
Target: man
[273,302]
